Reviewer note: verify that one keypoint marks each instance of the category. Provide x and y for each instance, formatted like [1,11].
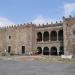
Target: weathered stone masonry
[49,39]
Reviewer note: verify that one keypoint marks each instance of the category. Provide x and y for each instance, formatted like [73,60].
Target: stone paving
[34,67]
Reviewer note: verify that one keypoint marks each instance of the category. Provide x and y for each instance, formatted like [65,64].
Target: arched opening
[61,50]
[46,51]
[46,36]
[60,35]
[39,49]
[53,36]
[53,51]
[39,36]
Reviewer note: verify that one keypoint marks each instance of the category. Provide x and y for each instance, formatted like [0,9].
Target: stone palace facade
[49,39]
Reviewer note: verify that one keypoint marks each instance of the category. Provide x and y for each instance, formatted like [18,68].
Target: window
[73,32]
[9,37]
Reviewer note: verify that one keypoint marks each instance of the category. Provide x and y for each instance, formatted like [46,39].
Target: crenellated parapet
[52,24]
[68,18]
[57,23]
[18,26]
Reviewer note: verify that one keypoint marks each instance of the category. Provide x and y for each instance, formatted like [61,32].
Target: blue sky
[20,11]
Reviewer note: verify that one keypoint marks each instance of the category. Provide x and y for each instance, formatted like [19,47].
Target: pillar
[42,36]
[50,51]
[49,37]
[42,51]
[57,35]
[58,51]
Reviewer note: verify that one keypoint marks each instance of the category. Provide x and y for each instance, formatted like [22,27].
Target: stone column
[57,35]
[36,37]
[49,51]
[49,37]
[42,36]
[58,51]
[42,51]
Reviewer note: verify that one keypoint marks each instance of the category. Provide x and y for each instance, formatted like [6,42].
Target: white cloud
[69,9]
[42,20]
[5,22]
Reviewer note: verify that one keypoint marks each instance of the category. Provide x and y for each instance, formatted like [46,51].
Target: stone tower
[69,35]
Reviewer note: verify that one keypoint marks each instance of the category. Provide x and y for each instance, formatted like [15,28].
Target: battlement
[68,18]
[18,25]
[32,24]
[52,24]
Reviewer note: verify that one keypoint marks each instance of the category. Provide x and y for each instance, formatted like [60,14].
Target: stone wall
[69,36]
[16,37]
[26,35]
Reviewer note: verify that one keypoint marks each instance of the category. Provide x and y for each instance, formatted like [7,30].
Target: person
[5,50]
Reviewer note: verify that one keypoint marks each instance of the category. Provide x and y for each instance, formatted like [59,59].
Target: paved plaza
[34,67]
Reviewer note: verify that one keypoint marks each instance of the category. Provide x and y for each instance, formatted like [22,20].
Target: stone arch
[53,36]
[46,51]
[53,51]
[60,35]
[39,36]
[46,36]
[61,50]
[39,49]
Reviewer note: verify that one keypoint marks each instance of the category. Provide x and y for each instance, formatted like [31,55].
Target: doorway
[9,49]
[23,49]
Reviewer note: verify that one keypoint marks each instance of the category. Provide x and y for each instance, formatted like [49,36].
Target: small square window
[9,37]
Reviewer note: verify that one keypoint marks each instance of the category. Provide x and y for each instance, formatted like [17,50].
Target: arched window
[39,36]
[9,37]
[53,36]
[60,35]
[46,36]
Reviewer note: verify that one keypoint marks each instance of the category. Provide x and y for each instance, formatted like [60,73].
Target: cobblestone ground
[34,67]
